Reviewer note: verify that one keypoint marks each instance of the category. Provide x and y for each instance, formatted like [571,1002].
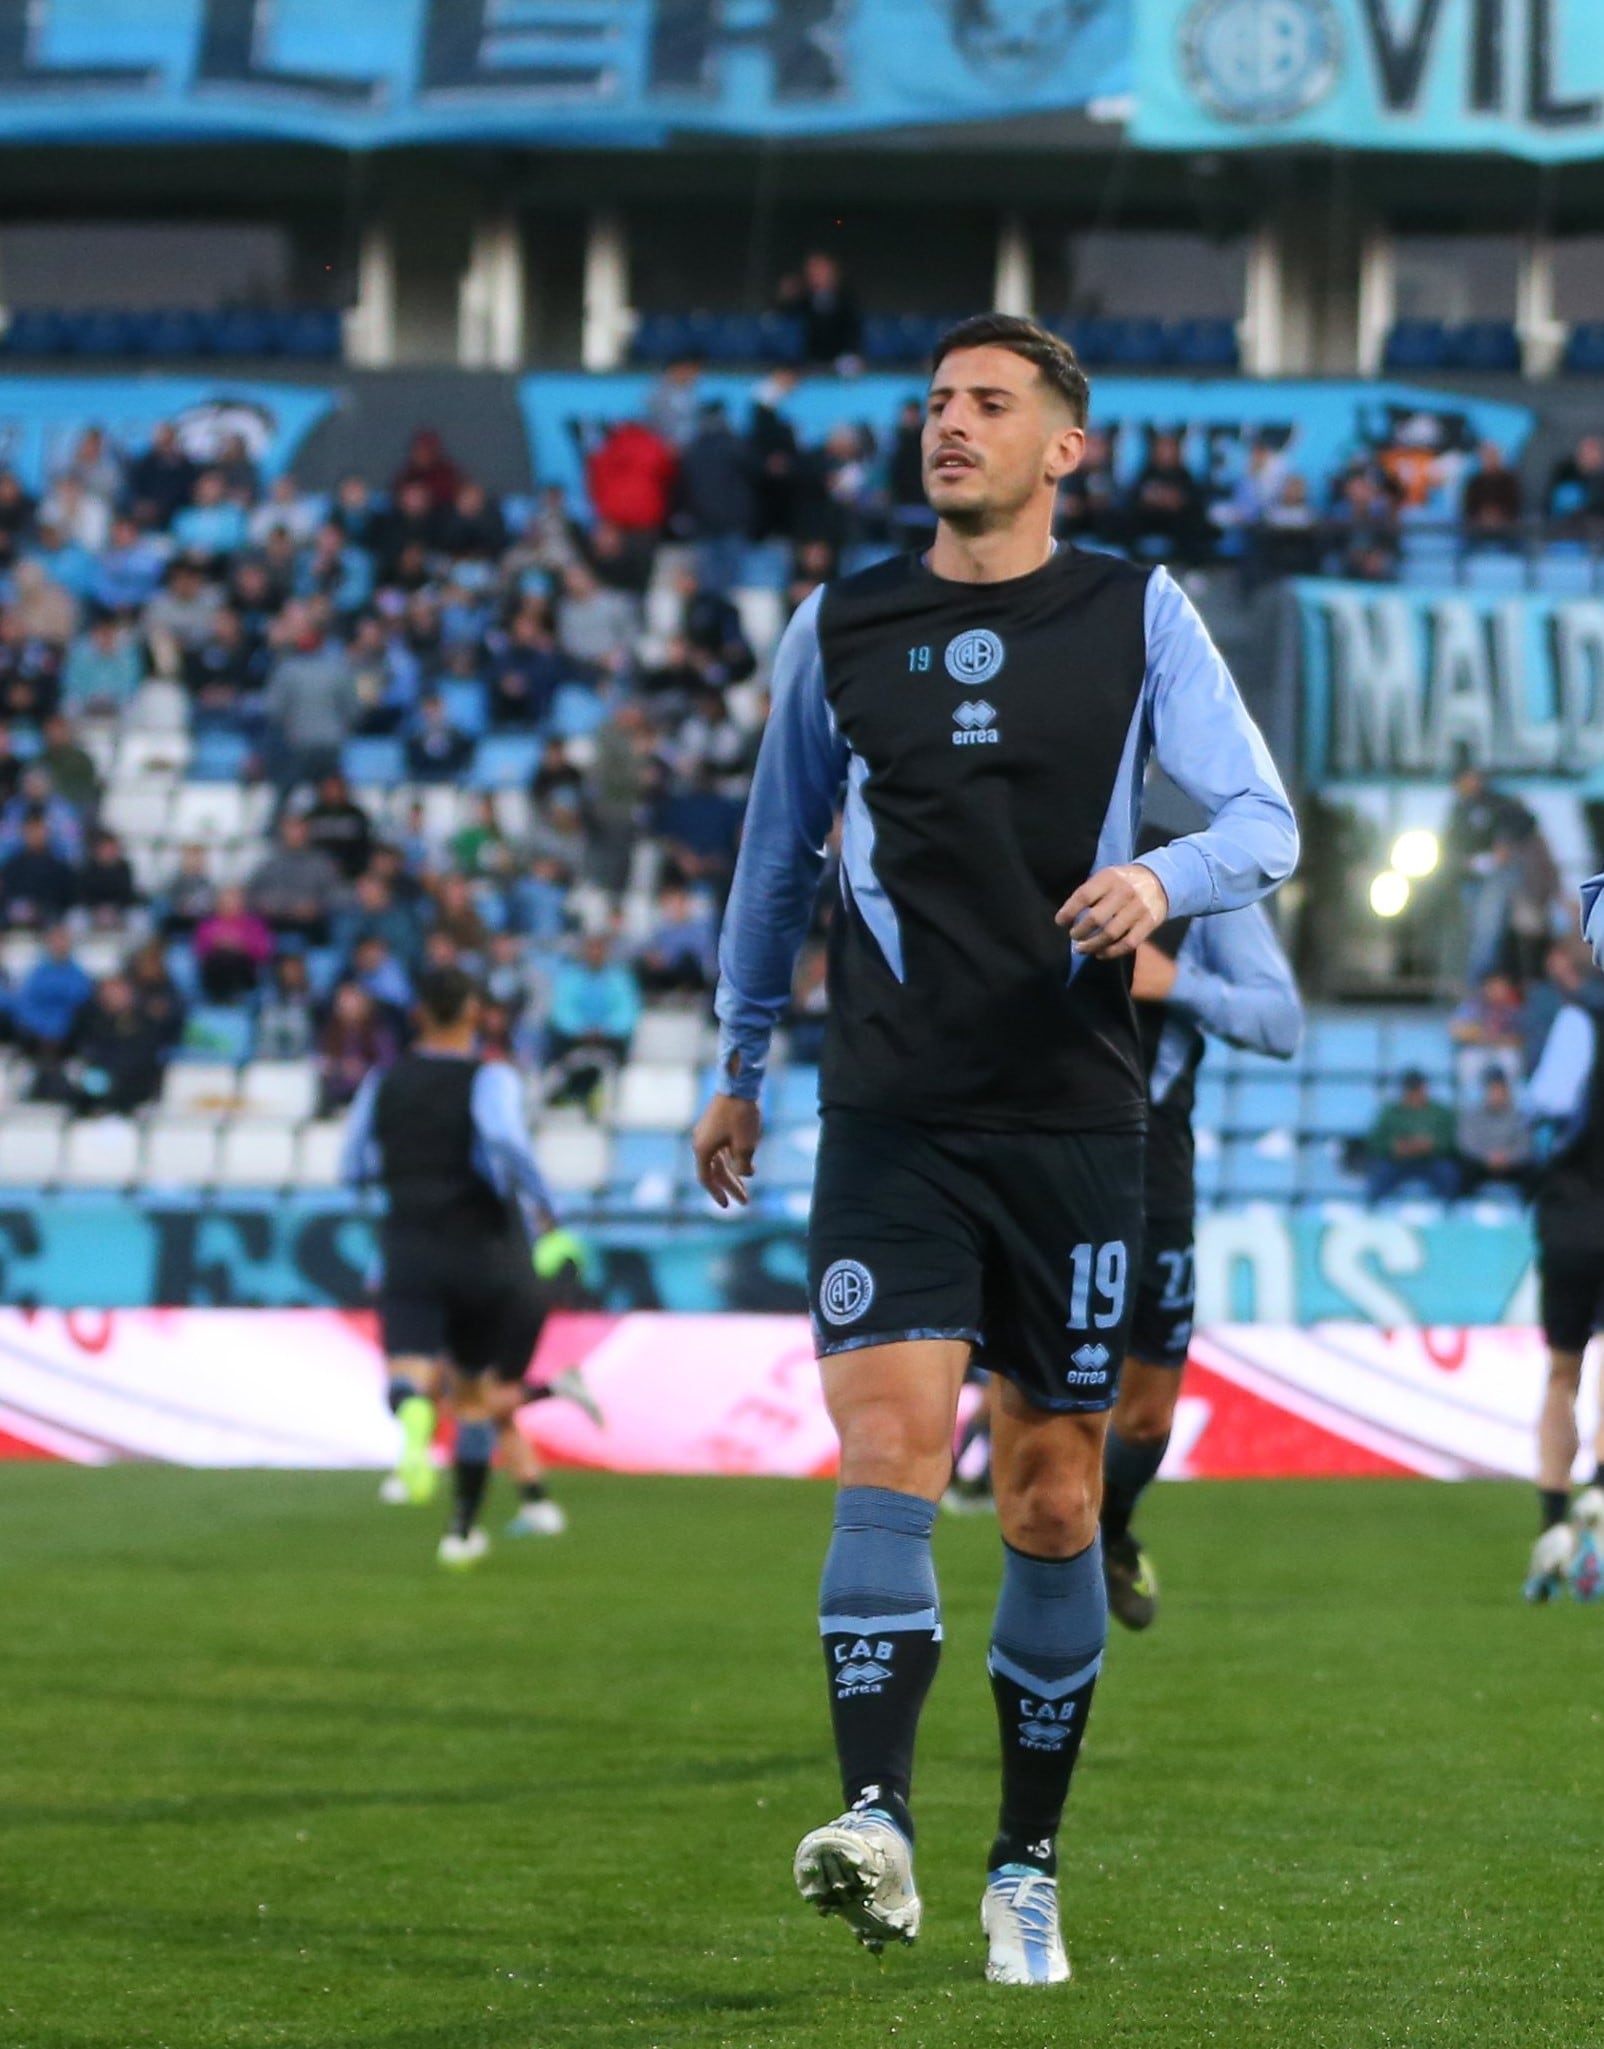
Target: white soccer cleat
[538,1519]
[458,1553]
[861,1867]
[394,1491]
[1585,1573]
[570,1386]
[1587,1510]
[1019,1913]
[1552,1558]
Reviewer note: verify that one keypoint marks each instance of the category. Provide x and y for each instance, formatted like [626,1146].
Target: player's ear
[1064,453]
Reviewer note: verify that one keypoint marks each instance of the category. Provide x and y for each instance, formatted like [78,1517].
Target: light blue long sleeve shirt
[502,1155]
[1232,981]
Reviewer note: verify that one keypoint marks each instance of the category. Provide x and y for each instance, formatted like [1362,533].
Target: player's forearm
[1249,848]
[1264,1017]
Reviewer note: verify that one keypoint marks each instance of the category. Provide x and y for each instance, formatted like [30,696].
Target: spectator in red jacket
[630,477]
[428,464]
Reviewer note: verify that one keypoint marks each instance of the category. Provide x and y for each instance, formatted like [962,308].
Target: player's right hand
[724,1141]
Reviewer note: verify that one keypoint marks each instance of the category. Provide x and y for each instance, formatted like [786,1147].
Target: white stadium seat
[575,1159]
[656,1098]
[252,1154]
[678,1037]
[208,811]
[100,1152]
[285,1090]
[30,1152]
[317,1155]
[199,1088]
[762,619]
[180,1152]
[100,953]
[138,810]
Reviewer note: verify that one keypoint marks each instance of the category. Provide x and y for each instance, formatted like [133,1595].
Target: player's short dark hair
[444,994]
[1052,355]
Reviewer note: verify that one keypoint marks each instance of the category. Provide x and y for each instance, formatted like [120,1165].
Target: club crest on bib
[974,657]
[846,1291]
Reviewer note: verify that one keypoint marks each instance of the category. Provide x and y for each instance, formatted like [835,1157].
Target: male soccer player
[1565,1099]
[442,1133]
[1227,976]
[990,709]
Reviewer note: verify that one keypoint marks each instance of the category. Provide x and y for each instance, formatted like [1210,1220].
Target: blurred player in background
[1565,1101]
[990,709]
[460,1306]
[1226,976]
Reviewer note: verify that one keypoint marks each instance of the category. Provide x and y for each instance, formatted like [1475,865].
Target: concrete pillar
[1263,329]
[1542,332]
[370,324]
[608,316]
[490,300]
[1378,299]
[1014,289]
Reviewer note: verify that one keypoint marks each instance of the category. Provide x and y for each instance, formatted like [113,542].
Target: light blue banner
[42,417]
[1411,683]
[1520,77]
[370,73]
[1257,1265]
[1319,426]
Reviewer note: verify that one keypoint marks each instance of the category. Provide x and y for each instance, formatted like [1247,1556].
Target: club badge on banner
[41,418]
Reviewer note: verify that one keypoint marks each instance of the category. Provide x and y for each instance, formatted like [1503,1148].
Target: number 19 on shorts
[1097,1289]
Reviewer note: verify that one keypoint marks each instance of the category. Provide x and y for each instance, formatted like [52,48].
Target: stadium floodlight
[1389,893]
[1415,853]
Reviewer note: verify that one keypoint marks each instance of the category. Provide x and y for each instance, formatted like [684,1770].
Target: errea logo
[976,723]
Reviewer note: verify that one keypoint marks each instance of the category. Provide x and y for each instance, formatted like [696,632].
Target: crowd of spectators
[152,595]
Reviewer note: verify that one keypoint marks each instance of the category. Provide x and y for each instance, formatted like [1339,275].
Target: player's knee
[1145,1417]
[883,1445]
[1053,1513]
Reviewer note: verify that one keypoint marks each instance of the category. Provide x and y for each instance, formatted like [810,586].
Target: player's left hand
[1114,910]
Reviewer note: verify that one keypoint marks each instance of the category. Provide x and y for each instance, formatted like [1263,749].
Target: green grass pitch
[268,1777]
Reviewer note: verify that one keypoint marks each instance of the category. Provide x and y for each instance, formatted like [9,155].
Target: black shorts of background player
[983,716]
[1228,977]
[442,1134]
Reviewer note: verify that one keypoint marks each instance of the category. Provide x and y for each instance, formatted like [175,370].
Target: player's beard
[1004,501]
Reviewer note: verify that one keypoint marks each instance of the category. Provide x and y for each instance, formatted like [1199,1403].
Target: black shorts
[1025,1243]
[1570,1276]
[479,1307]
[1161,1329]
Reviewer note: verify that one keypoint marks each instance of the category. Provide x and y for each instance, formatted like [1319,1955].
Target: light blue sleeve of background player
[359,1156]
[795,789]
[1206,743]
[1557,1091]
[1593,915]
[502,1153]
[1233,980]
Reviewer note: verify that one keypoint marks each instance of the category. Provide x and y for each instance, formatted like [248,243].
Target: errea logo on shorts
[845,1292]
[975,657]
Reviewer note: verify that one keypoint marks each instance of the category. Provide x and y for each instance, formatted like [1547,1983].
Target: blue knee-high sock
[1046,1651]
[476,1447]
[1128,1470]
[880,1621]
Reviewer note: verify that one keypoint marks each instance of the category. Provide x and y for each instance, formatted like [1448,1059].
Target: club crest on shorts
[846,1291]
[974,657]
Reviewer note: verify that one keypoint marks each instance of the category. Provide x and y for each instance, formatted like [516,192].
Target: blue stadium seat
[311,334]
[1336,1106]
[1485,345]
[467,707]
[1564,570]
[793,1096]
[765,565]
[779,338]
[1210,1172]
[242,333]
[172,331]
[1345,1045]
[323,964]
[789,1157]
[103,334]
[1584,350]
[1321,1176]
[504,761]
[213,1031]
[1416,345]
[1205,345]
[373,758]
[576,711]
[1095,341]
[1253,1174]
[658,338]
[1495,572]
[36,331]
[1139,345]
[1265,1103]
[647,1167]
[1422,1043]
[1210,1111]
[883,342]
[219,756]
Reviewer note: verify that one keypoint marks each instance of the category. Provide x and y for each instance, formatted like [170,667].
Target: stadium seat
[220,757]
[790,1157]
[101,332]
[207,811]
[1205,345]
[1564,570]
[172,331]
[792,1097]
[574,1158]
[1339,1106]
[215,1034]
[1584,350]
[373,759]
[139,809]
[100,1152]
[1416,345]
[199,1088]
[1421,1043]
[762,618]
[1138,345]
[1322,1177]
[35,331]
[504,761]
[180,1152]
[1489,346]
[1345,1045]
[1259,1170]
[576,710]
[1494,572]
[241,333]
[647,1168]
[255,1154]
[284,1090]
[466,706]
[780,338]
[311,334]
[656,1097]
[1261,1103]
[317,1154]
[30,1151]
[673,1037]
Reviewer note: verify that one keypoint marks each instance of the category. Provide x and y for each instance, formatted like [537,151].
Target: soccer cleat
[1586,1570]
[968,1497]
[538,1519]
[569,1386]
[1131,1581]
[415,1468]
[861,1867]
[1552,1557]
[1019,1913]
[393,1491]
[457,1554]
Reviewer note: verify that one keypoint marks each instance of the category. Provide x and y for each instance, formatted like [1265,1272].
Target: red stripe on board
[1247,1438]
[15,1448]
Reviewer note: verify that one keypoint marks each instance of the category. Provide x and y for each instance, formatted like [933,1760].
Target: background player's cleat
[861,1867]
[1552,1554]
[569,1386]
[1587,1510]
[1586,1571]
[393,1491]
[968,1497]
[1131,1581]
[538,1519]
[1019,1912]
[415,1465]
[458,1553]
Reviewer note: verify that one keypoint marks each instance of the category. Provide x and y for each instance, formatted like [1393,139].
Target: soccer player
[442,1133]
[1227,976]
[1565,1099]
[989,709]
